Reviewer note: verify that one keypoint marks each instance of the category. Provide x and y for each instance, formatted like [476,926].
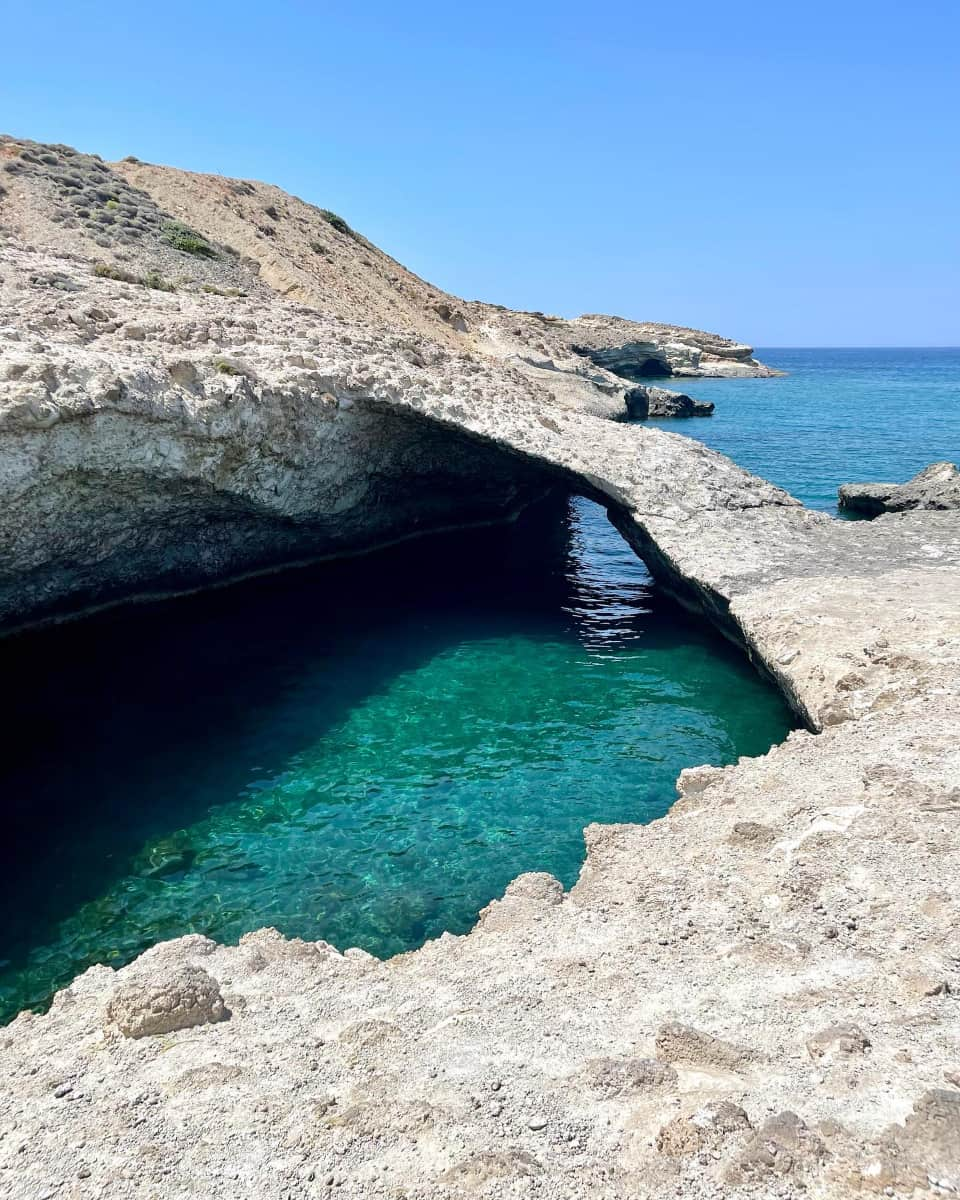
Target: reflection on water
[365,752]
[608,587]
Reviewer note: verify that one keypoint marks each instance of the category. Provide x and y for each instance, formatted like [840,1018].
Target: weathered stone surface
[709,1128]
[782,1146]
[837,1041]
[921,1155]
[935,487]
[191,435]
[178,999]
[677,1043]
[610,1077]
[637,350]
[537,886]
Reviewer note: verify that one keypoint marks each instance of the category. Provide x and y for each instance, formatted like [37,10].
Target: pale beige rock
[177,999]
[837,1041]
[935,487]
[677,1043]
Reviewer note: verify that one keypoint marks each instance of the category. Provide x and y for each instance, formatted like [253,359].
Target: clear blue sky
[784,173]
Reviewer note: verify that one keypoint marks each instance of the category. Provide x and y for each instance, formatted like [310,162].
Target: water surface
[365,752]
[839,416]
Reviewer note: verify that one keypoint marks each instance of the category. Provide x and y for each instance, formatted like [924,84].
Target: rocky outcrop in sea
[643,402]
[935,487]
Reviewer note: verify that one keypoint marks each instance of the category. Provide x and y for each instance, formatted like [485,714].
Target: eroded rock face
[923,1154]
[173,414]
[610,1077]
[644,350]
[782,1146]
[168,461]
[935,487]
[837,1041]
[678,1043]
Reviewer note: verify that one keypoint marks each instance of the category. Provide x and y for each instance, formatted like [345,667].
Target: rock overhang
[651,1029]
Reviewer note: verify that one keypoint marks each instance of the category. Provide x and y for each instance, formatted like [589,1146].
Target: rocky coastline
[757,993]
[935,487]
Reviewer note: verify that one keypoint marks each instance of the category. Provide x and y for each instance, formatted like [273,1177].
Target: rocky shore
[935,487]
[757,993]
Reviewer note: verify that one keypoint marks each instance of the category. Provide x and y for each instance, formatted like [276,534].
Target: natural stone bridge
[131,464]
[803,593]
[758,990]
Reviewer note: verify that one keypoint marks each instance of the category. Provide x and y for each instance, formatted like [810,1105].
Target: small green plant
[226,368]
[319,248]
[109,271]
[182,237]
[153,279]
[212,290]
[113,204]
[337,222]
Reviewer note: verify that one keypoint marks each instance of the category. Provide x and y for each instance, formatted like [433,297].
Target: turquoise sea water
[368,752]
[365,752]
[839,416]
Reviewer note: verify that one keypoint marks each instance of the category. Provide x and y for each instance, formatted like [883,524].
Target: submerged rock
[935,487]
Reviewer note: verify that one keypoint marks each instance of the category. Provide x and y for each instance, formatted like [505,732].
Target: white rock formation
[757,993]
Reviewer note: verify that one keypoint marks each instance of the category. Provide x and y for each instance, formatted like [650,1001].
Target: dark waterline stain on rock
[365,752]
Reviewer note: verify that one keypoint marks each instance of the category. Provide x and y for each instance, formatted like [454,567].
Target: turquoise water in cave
[365,752]
[369,751]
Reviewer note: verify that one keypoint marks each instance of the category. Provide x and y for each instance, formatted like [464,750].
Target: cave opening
[649,368]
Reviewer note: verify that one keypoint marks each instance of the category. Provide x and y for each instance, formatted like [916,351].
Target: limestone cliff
[202,378]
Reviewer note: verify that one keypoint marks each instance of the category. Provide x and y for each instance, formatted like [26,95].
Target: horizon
[739,172]
[838,346]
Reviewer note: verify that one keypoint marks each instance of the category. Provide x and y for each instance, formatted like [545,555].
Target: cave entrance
[650,368]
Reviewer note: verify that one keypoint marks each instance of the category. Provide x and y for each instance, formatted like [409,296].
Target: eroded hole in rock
[365,752]
[650,368]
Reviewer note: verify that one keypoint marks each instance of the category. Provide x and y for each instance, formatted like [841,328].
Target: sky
[786,174]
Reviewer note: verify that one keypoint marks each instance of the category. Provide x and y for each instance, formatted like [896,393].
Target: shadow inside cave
[158,756]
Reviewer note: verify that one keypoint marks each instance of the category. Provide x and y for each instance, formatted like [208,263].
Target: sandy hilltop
[202,378]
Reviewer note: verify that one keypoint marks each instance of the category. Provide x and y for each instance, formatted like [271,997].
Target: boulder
[643,402]
[935,487]
[176,999]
